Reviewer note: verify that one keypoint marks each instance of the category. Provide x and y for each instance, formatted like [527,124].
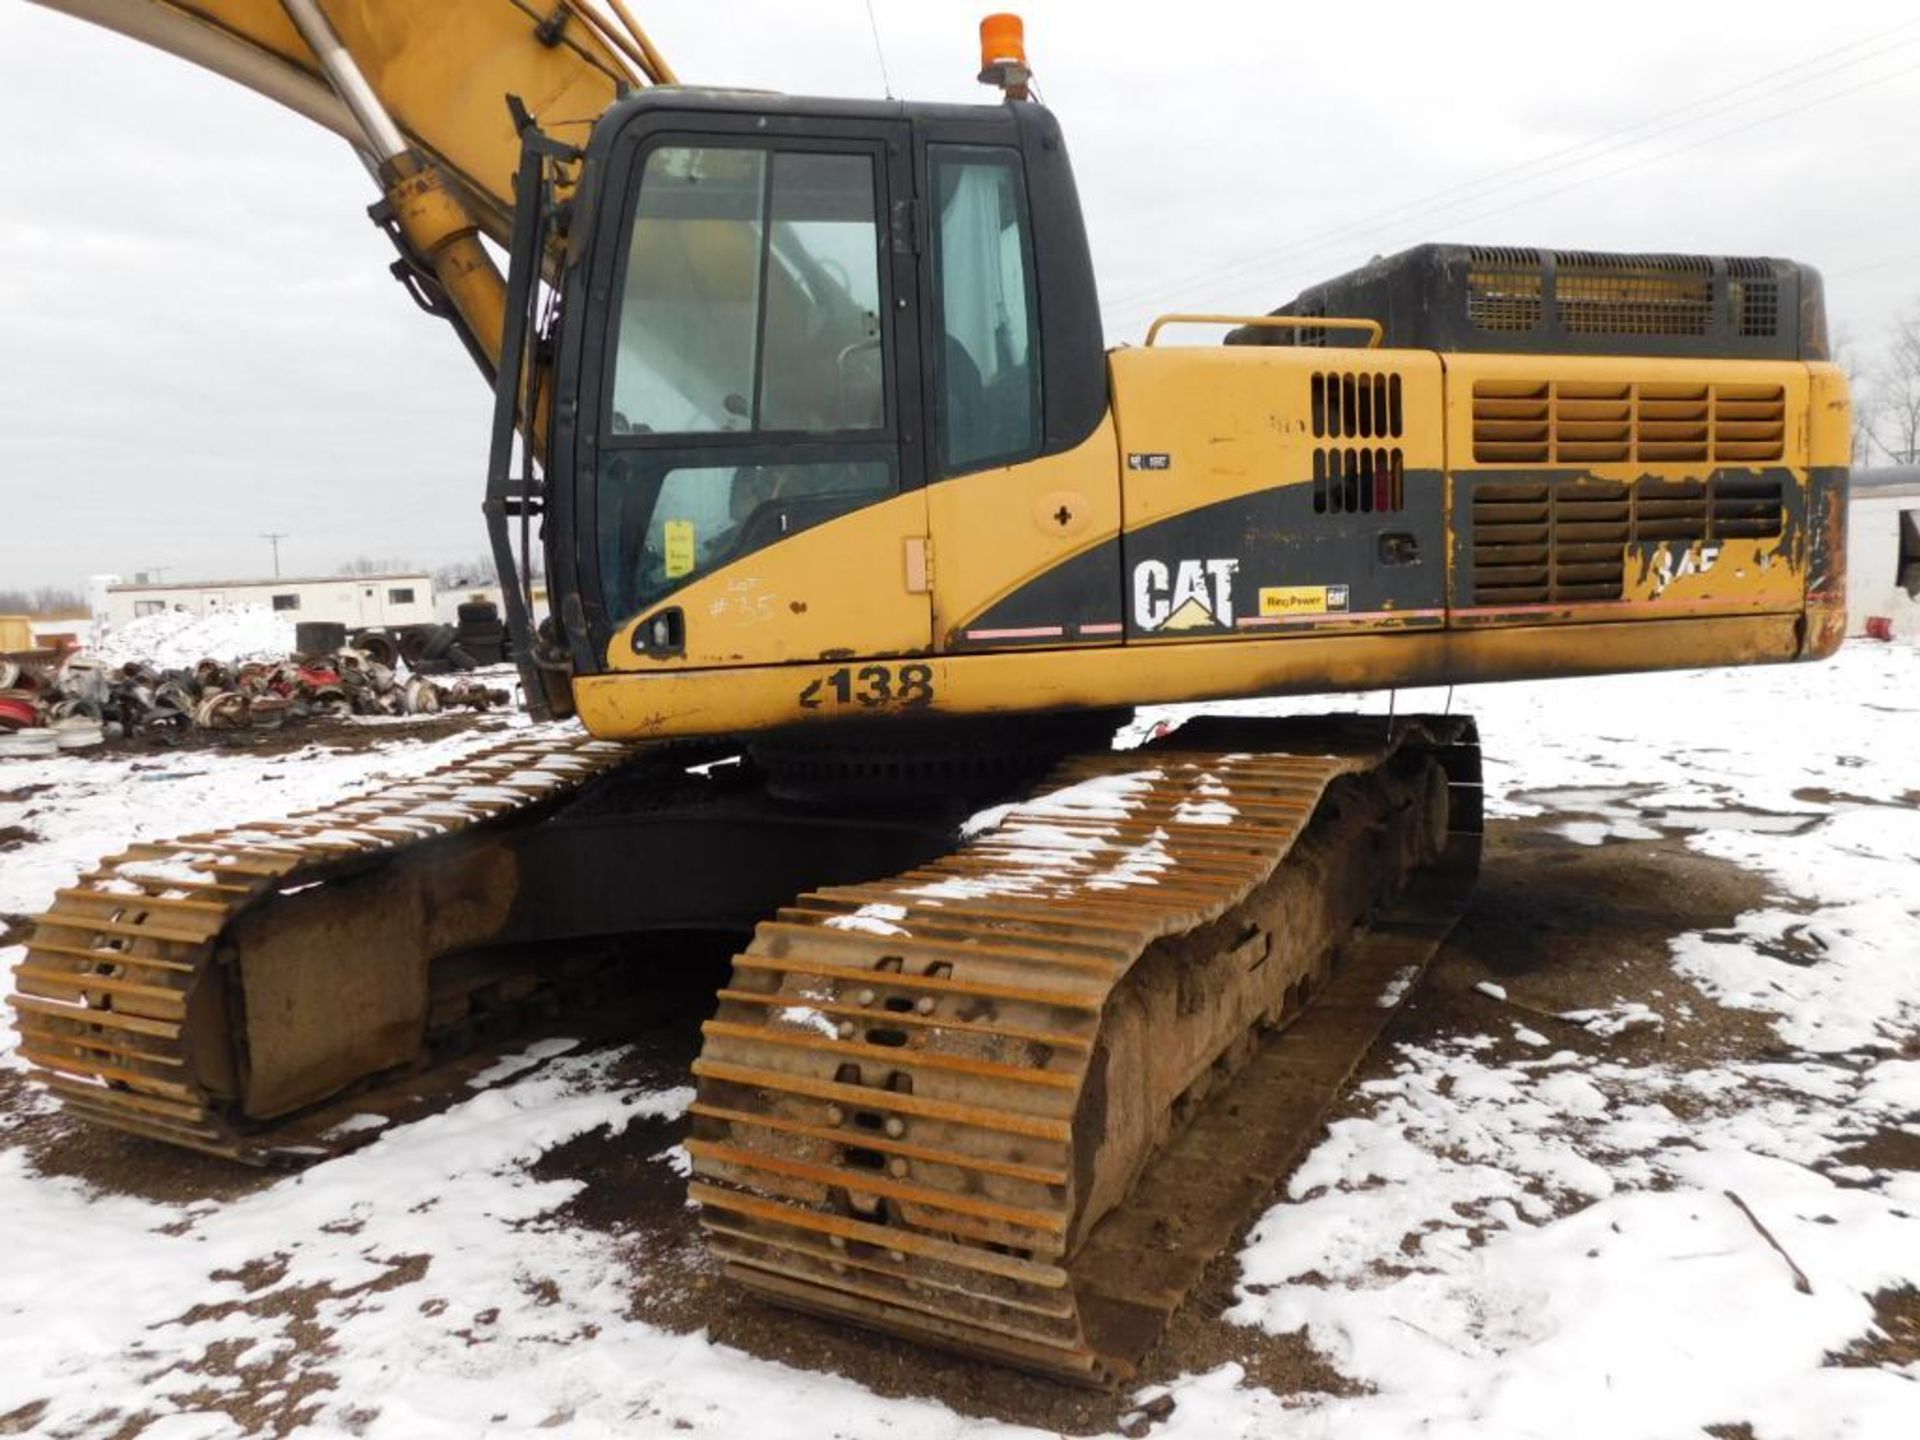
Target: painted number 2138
[873,686]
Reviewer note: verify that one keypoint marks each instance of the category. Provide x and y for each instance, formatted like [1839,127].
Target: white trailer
[1883,550]
[351,600]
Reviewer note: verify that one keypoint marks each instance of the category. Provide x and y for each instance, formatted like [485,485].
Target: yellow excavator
[860,545]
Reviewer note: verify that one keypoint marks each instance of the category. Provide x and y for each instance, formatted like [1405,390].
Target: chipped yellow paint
[840,588]
[731,701]
[1734,573]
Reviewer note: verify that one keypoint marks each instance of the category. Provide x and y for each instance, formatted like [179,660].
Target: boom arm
[438,74]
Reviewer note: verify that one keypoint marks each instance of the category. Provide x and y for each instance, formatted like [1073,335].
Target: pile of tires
[433,650]
[479,639]
[481,632]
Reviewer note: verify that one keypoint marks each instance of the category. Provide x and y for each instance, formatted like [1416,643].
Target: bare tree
[1846,355]
[460,573]
[45,600]
[1892,414]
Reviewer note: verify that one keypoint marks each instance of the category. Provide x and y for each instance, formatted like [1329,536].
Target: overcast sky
[199,342]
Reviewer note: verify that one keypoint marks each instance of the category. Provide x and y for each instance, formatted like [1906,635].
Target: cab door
[1024,509]
[750,472]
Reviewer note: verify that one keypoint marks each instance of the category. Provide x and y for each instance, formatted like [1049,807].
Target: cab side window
[986,362]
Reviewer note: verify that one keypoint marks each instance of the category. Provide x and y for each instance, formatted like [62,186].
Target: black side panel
[1201,573]
[1076,602]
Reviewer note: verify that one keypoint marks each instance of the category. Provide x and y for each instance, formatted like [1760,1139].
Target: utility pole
[275,537]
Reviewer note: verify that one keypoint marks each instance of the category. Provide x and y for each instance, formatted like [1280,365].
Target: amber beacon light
[1003,55]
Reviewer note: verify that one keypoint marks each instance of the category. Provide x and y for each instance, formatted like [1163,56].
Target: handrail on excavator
[1375,335]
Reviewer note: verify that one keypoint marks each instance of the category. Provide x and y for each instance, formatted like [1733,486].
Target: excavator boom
[419,89]
[439,70]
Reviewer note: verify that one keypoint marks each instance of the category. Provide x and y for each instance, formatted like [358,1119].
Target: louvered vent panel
[1672,422]
[1743,507]
[1349,406]
[1749,422]
[1576,422]
[1592,424]
[1670,510]
[1367,480]
[1512,421]
[1563,542]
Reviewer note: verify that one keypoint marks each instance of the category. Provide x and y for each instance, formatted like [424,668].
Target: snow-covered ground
[1502,1239]
[176,639]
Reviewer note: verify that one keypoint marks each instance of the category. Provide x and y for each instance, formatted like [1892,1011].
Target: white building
[1883,549]
[352,600]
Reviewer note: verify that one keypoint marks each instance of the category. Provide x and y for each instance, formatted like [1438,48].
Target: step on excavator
[861,546]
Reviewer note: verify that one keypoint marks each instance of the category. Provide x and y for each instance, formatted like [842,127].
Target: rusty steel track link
[123,1003]
[1012,1102]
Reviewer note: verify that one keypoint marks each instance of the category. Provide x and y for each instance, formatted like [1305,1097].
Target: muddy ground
[1559,925]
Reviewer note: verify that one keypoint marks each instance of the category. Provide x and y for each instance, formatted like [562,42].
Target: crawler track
[124,1000]
[1013,1102]
[1010,1102]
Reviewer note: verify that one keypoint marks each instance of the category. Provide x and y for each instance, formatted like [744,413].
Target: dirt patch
[1563,928]
[12,837]
[1894,1339]
[1820,795]
[338,736]
[1887,1148]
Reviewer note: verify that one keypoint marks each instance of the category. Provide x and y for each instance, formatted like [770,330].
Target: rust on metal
[123,996]
[1143,936]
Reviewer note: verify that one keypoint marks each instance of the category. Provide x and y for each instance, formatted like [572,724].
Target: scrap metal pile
[76,701]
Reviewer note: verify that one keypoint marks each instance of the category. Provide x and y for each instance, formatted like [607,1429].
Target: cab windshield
[749,321]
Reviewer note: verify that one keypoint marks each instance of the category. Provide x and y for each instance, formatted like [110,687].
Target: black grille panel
[1517,300]
[1359,481]
[1350,406]
[1544,541]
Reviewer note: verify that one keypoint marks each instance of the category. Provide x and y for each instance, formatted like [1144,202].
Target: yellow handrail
[1375,335]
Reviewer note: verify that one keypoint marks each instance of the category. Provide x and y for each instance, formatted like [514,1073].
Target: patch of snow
[177,640]
[1615,1019]
[1398,986]
[97,804]
[356,1125]
[873,919]
[1205,812]
[508,1066]
[805,1017]
[1548,1247]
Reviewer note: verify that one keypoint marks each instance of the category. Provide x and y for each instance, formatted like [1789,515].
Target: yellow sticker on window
[679,548]
[1281,600]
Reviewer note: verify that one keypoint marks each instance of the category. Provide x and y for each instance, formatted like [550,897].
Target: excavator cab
[781,313]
